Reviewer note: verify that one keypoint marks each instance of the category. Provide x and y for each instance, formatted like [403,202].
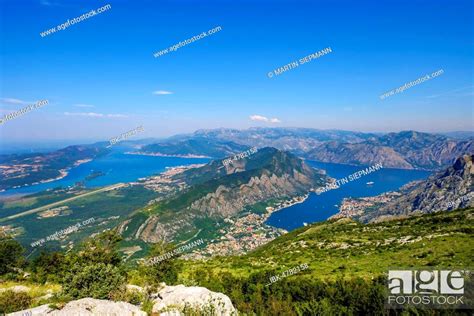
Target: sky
[101,78]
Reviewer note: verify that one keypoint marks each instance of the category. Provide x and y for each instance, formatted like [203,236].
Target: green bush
[163,271]
[14,301]
[48,267]
[10,255]
[97,281]
[129,296]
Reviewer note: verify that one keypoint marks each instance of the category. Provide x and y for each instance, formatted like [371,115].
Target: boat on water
[305,224]
[370,183]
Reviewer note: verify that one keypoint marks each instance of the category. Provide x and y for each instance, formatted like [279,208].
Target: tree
[99,249]
[11,255]
[95,270]
[156,271]
[48,266]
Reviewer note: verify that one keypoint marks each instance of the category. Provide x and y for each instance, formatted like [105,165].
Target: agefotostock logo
[430,288]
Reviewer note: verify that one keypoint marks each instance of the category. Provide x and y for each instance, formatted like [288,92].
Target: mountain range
[404,150]
[196,146]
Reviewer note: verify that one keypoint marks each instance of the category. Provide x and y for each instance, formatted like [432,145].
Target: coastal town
[245,233]
[355,207]
[164,184]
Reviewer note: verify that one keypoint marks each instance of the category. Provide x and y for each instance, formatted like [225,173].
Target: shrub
[163,271]
[14,301]
[97,281]
[10,255]
[129,296]
[48,267]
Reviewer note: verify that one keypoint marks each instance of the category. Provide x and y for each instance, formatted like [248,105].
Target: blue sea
[319,208]
[117,167]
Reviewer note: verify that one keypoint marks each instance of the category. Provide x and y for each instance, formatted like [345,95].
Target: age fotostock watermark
[411,84]
[302,61]
[242,155]
[438,289]
[78,19]
[27,109]
[125,136]
[65,231]
[186,42]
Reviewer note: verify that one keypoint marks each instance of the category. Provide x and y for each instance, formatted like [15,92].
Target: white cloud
[84,105]
[90,114]
[49,3]
[13,101]
[93,114]
[258,118]
[264,119]
[162,92]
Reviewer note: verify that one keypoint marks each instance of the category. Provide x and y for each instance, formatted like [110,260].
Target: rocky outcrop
[217,190]
[449,189]
[85,307]
[168,301]
[173,300]
[359,154]
[227,201]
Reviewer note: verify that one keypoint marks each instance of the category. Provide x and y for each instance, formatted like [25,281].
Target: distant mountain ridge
[404,150]
[198,146]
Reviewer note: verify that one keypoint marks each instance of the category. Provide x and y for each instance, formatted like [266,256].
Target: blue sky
[99,75]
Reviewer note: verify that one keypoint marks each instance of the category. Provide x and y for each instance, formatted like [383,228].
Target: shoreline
[291,203]
[256,232]
[62,174]
[141,153]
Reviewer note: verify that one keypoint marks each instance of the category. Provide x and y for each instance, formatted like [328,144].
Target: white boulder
[85,307]
[173,299]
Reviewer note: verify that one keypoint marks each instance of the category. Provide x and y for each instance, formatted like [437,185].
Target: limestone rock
[173,299]
[85,307]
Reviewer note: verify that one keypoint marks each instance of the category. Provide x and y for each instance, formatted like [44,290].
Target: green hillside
[345,260]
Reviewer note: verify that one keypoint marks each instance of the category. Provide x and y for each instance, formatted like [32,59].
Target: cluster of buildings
[351,208]
[164,183]
[57,211]
[242,235]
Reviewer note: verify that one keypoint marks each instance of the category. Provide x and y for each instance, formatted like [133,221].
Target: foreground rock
[172,300]
[85,307]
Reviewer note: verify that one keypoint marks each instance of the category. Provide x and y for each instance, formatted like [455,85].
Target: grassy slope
[347,248]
